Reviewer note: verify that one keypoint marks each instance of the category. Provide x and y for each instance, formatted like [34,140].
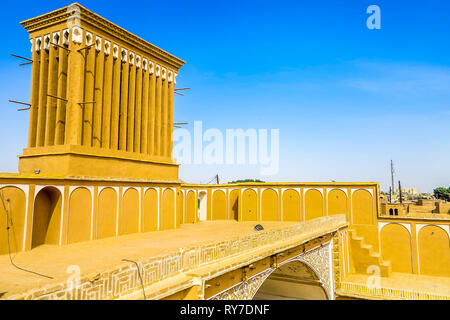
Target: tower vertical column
[107,91]
[151,109]
[164,112]
[52,89]
[98,93]
[34,94]
[131,103]
[61,105]
[171,93]
[158,109]
[123,101]
[88,107]
[42,108]
[138,108]
[145,90]
[74,112]
[115,103]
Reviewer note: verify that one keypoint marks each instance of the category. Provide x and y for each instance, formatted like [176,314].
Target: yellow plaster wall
[79,222]
[191,206]
[150,210]
[291,206]
[52,218]
[249,206]
[395,242]
[219,205]
[313,204]
[269,210]
[16,209]
[337,202]
[362,207]
[168,210]
[130,212]
[107,213]
[180,207]
[233,208]
[434,251]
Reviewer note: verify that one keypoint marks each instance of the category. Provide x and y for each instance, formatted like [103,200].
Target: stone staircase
[365,256]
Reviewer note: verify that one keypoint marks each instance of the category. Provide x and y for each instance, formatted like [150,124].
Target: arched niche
[291,205]
[219,205]
[249,205]
[150,215]
[434,251]
[362,207]
[180,207]
[190,207]
[269,209]
[395,243]
[313,204]
[46,217]
[12,209]
[234,205]
[337,202]
[107,213]
[130,212]
[168,210]
[80,215]
[202,206]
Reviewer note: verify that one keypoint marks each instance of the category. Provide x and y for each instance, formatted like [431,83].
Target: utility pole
[392,176]
[400,191]
[217,178]
[390,194]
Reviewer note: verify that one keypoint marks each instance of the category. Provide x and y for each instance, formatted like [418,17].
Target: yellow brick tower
[102,100]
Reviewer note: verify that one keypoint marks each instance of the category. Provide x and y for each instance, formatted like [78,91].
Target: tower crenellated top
[77,15]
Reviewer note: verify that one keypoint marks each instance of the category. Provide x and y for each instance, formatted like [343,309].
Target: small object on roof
[258,227]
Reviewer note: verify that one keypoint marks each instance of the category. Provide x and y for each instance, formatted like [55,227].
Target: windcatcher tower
[102,100]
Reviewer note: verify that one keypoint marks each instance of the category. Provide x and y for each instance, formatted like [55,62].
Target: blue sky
[346,99]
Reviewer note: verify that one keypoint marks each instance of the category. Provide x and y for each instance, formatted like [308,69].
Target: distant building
[410,191]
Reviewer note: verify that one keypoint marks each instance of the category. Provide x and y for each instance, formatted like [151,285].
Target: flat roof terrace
[185,248]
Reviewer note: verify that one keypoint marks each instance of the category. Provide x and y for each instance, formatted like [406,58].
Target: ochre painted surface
[233,208]
[362,209]
[150,215]
[46,217]
[180,207]
[124,140]
[80,213]
[396,247]
[107,213]
[291,206]
[65,86]
[249,206]
[190,207]
[337,202]
[313,204]
[16,215]
[434,251]
[168,210]
[130,212]
[219,205]
[269,210]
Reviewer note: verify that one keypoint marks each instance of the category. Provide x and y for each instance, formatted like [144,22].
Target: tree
[442,193]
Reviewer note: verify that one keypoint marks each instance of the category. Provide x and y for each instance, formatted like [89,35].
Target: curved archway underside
[313,268]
